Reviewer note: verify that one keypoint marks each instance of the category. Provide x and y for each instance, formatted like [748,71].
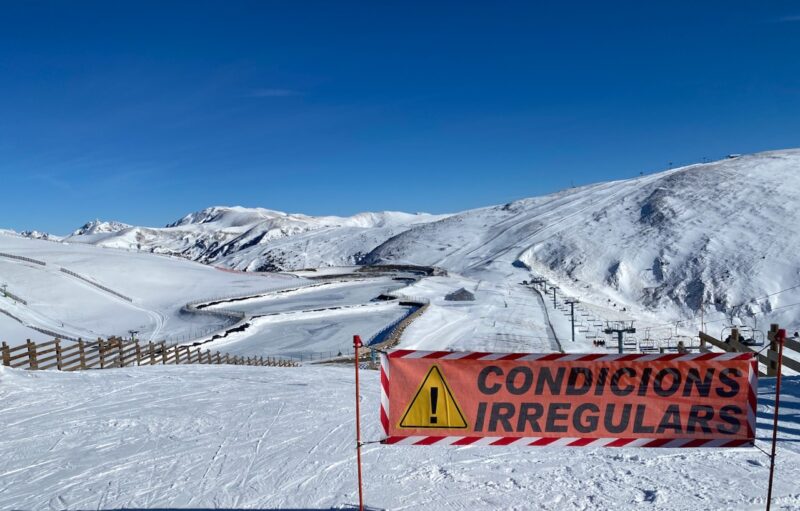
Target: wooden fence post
[227,359]
[138,354]
[772,367]
[199,356]
[152,353]
[82,354]
[163,352]
[121,352]
[6,355]
[177,355]
[102,352]
[58,354]
[32,355]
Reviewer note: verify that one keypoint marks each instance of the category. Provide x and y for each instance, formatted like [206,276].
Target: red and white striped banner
[568,400]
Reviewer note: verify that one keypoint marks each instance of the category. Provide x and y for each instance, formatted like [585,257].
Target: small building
[461,295]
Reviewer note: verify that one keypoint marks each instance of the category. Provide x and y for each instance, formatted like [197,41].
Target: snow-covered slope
[258,239]
[708,237]
[157,288]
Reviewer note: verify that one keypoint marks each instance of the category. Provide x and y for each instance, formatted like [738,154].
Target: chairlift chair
[747,335]
[751,337]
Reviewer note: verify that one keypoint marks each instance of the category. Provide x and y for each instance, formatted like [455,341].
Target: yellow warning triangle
[433,405]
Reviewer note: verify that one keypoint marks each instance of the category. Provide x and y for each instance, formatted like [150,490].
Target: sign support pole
[780,337]
[356,345]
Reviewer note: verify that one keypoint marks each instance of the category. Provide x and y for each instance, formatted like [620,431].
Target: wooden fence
[21,258]
[770,359]
[115,352]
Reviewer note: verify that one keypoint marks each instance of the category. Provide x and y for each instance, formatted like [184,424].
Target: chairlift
[747,335]
[751,337]
[681,341]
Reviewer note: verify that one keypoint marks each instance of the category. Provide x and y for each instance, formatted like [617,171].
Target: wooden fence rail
[115,352]
[770,359]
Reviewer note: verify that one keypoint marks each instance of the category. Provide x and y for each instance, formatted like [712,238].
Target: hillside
[709,236]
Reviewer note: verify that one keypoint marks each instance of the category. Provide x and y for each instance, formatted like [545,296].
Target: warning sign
[670,400]
[433,405]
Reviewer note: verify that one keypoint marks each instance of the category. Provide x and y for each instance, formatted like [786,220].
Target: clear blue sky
[145,111]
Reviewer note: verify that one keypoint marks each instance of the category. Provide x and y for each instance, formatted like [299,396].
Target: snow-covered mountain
[39,235]
[99,227]
[710,237]
[703,237]
[255,239]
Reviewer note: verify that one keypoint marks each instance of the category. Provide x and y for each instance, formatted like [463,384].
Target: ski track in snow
[273,438]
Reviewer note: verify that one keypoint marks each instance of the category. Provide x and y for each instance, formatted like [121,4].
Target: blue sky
[145,111]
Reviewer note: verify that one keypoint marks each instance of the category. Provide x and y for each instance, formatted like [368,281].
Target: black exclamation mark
[434,399]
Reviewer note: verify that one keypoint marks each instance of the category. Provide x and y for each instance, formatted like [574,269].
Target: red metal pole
[357,344]
[781,338]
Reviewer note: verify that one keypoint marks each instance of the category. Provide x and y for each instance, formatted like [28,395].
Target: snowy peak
[39,235]
[100,227]
[223,216]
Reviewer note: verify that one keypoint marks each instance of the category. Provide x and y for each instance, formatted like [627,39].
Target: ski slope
[502,318]
[158,287]
[302,334]
[316,296]
[233,437]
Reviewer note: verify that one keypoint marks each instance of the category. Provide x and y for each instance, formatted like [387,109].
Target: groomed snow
[300,334]
[159,287]
[504,317]
[278,438]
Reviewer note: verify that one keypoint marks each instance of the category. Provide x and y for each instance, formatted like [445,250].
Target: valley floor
[280,438]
